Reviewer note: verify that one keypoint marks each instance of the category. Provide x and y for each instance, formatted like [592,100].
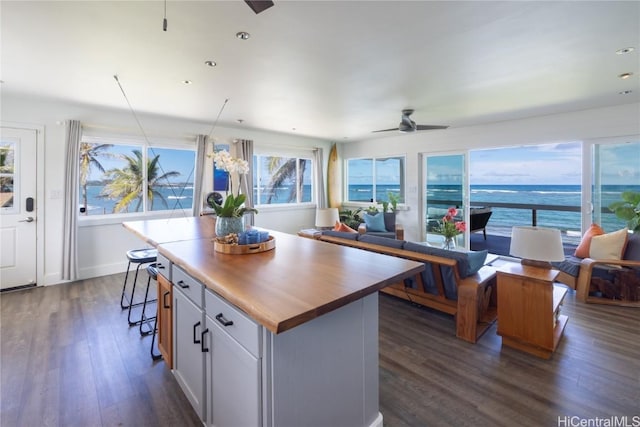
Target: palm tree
[281,170]
[89,154]
[127,183]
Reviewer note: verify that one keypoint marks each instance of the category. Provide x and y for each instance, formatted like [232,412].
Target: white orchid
[225,162]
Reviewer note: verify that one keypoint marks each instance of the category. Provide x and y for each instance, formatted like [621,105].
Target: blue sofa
[453,282]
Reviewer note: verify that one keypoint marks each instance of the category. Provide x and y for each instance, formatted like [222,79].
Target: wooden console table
[529,316]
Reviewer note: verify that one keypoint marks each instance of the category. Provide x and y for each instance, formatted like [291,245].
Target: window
[371,180]
[282,180]
[117,178]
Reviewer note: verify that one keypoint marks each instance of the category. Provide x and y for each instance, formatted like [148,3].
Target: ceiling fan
[259,5]
[408,125]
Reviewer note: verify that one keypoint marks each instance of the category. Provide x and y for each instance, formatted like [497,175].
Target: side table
[529,316]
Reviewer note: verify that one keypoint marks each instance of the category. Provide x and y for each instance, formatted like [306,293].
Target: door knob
[29,219]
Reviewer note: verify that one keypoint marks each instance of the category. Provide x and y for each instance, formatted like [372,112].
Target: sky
[170,160]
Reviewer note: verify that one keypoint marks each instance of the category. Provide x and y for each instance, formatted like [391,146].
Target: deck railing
[534,208]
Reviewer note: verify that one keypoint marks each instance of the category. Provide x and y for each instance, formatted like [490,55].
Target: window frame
[285,153]
[374,159]
[145,146]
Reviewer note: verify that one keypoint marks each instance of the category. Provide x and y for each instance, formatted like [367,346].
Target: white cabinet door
[188,362]
[235,386]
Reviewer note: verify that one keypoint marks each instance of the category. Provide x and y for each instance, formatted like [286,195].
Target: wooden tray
[252,248]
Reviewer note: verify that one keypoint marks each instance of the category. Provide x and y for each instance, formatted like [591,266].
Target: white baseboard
[88,273]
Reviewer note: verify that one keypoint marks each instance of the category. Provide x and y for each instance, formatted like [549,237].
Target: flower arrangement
[235,168]
[450,228]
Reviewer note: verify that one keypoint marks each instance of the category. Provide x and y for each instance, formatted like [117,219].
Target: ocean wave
[494,191]
[177,197]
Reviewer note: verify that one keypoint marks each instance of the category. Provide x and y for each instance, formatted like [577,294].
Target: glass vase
[449,243]
[229,225]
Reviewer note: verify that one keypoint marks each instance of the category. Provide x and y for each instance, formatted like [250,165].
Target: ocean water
[563,195]
[176,197]
[180,197]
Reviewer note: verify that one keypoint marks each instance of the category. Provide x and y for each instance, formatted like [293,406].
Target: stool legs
[144,320]
[155,356]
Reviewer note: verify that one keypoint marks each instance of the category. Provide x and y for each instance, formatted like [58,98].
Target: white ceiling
[332,70]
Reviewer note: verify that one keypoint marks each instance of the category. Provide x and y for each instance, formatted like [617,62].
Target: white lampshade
[537,244]
[327,217]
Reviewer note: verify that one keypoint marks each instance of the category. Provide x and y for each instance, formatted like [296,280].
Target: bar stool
[138,257]
[152,272]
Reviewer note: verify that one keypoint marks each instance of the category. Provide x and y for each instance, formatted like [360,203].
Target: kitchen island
[287,337]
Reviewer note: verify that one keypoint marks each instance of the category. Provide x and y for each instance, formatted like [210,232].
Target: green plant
[385,206]
[372,210]
[232,207]
[628,209]
[394,199]
[351,217]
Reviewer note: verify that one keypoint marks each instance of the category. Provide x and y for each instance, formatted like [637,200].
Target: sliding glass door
[616,169]
[445,187]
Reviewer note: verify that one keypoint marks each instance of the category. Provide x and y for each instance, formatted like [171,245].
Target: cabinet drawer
[187,285]
[234,322]
[164,266]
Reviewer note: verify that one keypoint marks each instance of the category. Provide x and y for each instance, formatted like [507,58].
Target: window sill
[98,220]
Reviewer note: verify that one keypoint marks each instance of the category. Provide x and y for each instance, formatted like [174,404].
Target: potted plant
[351,217]
[229,215]
[628,209]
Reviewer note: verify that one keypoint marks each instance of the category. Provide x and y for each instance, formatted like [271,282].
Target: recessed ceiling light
[625,92]
[210,63]
[243,35]
[625,50]
[187,82]
[625,75]
[240,121]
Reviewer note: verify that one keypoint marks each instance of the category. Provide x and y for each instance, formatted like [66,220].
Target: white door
[17,207]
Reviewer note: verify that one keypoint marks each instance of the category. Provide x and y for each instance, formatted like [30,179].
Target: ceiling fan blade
[430,127]
[259,5]
[383,130]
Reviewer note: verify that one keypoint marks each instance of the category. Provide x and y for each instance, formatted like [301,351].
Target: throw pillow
[344,227]
[476,261]
[582,251]
[374,222]
[609,246]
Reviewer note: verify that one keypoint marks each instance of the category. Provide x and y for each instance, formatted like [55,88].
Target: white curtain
[70,227]
[321,198]
[201,144]
[245,150]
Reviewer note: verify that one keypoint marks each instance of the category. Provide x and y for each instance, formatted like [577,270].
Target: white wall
[584,125]
[102,247]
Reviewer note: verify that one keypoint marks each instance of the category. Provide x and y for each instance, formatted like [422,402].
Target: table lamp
[326,218]
[537,246]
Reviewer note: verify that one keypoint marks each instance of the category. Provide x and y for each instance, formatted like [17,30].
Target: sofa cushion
[390,221]
[633,247]
[374,222]
[476,261]
[342,234]
[609,246]
[582,251]
[570,265]
[382,241]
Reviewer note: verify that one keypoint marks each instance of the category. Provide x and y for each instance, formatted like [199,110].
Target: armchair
[605,281]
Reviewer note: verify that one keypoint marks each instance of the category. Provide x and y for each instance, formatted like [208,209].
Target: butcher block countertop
[296,282]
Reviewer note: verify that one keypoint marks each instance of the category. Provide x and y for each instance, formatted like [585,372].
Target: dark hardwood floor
[68,358]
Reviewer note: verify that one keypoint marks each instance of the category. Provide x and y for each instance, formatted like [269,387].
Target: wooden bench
[475,308]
